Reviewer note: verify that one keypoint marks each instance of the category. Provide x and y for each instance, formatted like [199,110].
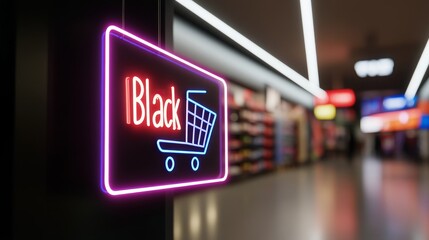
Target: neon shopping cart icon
[199,126]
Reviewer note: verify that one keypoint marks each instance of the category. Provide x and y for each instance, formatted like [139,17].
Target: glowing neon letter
[160,122]
[176,122]
[147,103]
[140,110]
[168,123]
[137,100]
[127,100]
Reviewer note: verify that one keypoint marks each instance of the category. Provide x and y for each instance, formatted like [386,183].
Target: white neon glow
[309,41]
[418,74]
[372,68]
[394,103]
[207,50]
[403,117]
[371,124]
[253,48]
[273,99]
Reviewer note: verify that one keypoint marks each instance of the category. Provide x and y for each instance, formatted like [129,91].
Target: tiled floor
[333,199]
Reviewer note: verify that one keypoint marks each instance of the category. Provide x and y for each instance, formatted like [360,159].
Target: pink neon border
[106,173]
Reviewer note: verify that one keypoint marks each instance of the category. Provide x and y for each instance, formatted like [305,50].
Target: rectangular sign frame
[106,143]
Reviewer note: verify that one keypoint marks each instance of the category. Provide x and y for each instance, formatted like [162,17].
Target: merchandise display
[263,139]
[251,137]
[301,116]
[286,131]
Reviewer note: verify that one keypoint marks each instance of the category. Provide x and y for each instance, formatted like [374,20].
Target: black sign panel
[164,119]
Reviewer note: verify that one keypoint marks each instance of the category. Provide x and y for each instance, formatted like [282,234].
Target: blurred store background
[367,54]
[353,165]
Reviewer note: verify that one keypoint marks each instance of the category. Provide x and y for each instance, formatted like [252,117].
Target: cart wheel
[195,163]
[169,164]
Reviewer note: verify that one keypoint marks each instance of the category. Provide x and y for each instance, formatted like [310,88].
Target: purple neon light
[106,140]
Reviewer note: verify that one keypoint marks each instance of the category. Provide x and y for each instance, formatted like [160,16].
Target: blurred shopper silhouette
[351,145]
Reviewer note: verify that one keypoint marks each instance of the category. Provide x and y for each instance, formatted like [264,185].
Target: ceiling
[345,31]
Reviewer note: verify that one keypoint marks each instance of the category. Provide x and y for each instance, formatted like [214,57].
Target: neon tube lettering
[168,123]
[176,122]
[140,111]
[137,100]
[160,122]
[147,103]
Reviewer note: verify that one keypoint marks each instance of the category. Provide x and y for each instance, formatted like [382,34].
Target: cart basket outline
[199,126]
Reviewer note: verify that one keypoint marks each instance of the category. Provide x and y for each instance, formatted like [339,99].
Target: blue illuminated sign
[424,123]
[398,102]
[371,106]
[386,104]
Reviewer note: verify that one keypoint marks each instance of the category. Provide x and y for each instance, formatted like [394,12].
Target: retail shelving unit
[285,145]
[251,139]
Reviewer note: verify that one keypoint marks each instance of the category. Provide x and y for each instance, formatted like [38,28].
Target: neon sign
[325,112]
[372,68]
[398,102]
[164,119]
[387,104]
[140,110]
[371,106]
[199,126]
[338,98]
[391,121]
[424,123]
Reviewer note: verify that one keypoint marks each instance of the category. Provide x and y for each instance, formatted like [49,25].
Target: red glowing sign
[166,110]
[338,98]
[164,119]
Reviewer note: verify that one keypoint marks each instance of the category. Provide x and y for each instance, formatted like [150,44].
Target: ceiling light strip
[252,47]
[419,73]
[309,41]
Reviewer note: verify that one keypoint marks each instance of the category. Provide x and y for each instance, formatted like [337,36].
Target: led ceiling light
[373,68]
[309,41]
[255,49]
[418,74]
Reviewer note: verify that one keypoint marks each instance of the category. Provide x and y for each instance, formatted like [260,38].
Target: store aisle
[332,199]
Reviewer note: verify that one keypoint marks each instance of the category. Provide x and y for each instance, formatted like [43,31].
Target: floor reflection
[396,200]
[334,199]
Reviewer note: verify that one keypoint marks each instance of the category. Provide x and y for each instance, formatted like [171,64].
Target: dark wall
[56,168]
[7,63]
